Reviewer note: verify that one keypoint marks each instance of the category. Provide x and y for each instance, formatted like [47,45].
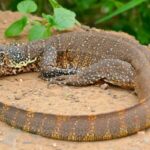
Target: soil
[28,91]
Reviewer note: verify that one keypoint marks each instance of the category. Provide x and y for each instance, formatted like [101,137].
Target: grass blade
[124,8]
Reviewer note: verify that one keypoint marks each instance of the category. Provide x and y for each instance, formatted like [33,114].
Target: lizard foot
[61,80]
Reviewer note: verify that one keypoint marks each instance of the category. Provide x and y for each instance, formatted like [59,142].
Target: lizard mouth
[10,67]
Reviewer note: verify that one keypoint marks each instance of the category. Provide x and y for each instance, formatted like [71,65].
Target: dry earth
[28,91]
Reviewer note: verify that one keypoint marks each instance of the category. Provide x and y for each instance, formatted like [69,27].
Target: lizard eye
[1,58]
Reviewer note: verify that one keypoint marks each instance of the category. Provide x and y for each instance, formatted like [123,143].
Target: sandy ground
[28,91]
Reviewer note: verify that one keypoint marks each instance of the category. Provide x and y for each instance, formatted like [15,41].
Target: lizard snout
[2,55]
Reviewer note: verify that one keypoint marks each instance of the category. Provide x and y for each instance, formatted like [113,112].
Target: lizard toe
[61,80]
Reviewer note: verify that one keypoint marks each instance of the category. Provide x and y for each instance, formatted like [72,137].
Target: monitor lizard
[80,59]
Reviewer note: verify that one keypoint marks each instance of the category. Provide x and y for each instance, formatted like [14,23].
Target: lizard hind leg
[113,71]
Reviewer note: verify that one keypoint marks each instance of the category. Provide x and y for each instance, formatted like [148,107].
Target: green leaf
[38,32]
[84,4]
[54,4]
[143,36]
[64,18]
[16,28]
[27,6]
[49,18]
[124,8]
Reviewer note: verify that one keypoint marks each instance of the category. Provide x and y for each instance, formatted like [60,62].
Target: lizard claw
[60,80]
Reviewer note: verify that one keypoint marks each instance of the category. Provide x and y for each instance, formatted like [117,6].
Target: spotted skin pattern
[79,59]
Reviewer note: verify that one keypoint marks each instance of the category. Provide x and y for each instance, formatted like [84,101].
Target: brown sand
[28,91]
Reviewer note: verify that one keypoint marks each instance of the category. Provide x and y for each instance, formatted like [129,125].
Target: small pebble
[92,110]
[109,93]
[133,92]
[30,90]
[37,93]
[27,142]
[24,93]
[104,86]
[77,100]
[114,96]
[54,144]
[17,97]
[141,133]
[20,80]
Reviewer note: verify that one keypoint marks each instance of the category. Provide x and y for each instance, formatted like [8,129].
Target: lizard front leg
[48,64]
[112,71]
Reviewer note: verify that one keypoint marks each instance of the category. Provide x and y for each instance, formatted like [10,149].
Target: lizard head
[14,56]
[3,60]
[2,55]
[6,58]
[13,59]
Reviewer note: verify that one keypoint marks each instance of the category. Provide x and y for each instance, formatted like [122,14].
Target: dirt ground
[28,91]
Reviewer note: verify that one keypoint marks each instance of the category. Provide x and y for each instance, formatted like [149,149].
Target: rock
[141,133]
[114,96]
[77,100]
[17,97]
[92,110]
[54,144]
[104,86]
[27,142]
[20,80]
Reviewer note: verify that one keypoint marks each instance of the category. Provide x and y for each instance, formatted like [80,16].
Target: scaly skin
[82,59]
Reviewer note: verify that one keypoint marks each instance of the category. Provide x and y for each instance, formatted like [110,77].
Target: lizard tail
[88,127]
[80,128]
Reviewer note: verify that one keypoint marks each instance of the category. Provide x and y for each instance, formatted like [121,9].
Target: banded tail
[80,128]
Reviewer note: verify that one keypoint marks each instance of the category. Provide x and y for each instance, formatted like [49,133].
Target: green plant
[131,16]
[123,8]
[61,19]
